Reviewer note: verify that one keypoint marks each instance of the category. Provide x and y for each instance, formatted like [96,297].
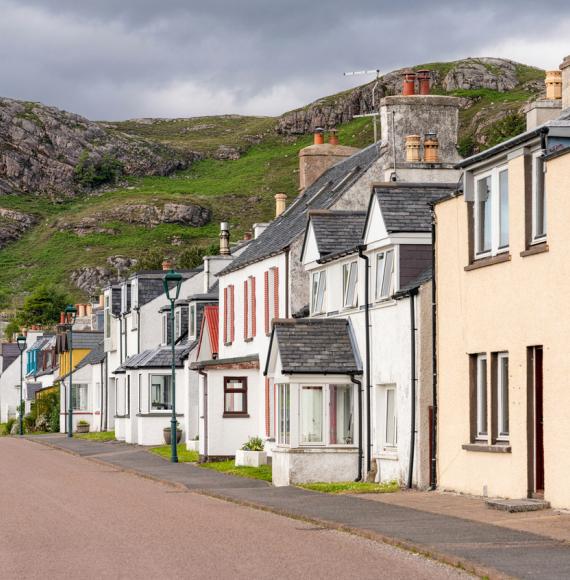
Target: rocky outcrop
[91,280]
[225,153]
[41,146]
[148,216]
[13,224]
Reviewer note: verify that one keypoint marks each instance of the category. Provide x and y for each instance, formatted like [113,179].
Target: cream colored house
[503,328]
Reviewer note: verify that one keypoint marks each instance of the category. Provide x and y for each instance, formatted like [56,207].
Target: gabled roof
[95,357]
[158,358]
[281,232]
[336,231]
[210,322]
[315,346]
[406,207]
[10,352]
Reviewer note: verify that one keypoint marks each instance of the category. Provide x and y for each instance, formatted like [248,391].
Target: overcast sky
[119,59]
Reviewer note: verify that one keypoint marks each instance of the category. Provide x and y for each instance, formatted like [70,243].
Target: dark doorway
[538,423]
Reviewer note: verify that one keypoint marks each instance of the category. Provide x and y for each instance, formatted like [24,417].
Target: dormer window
[192,321]
[165,322]
[178,323]
[491,213]
[350,278]
[319,285]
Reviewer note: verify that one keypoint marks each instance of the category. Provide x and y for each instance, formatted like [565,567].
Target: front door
[539,424]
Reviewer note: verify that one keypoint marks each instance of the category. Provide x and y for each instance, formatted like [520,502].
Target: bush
[43,306]
[42,423]
[253,444]
[96,171]
[29,423]
[83,423]
[9,424]
[53,420]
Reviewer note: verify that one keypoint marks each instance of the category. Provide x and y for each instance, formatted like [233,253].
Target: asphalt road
[63,516]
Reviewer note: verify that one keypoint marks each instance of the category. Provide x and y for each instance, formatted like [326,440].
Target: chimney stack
[280,199]
[319,136]
[431,148]
[543,110]
[553,83]
[333,137]
[167,264]
[224,239]
[565,68]
[409,87]
[424,77]
[413,149]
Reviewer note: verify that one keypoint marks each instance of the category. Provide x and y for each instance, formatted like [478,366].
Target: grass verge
[346,487]
[184,456]
[263,472]
[99,436]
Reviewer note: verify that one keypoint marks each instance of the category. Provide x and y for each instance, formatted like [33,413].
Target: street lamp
[172,282]
[21,340]
[70,315]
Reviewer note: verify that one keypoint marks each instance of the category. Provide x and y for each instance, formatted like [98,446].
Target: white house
[10,381]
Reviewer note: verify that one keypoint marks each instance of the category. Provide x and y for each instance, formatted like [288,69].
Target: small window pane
[379,274]
[350,272]
[341,415]
[482,396]
[388,274]
[391,419]
[539,199]
[235,396]
[483,215]
[503,387]
[192,321]
[504,209]
[312,415]
[284,404]
[160,392]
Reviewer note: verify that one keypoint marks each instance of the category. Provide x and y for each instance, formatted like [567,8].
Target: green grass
[352,487]
[3,431]
[184,456]
[97,436]
[263,472]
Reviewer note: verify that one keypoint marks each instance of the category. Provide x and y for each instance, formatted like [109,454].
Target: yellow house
[503,324]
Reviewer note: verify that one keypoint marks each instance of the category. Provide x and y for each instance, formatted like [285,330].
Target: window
[124,298]
[319,286]
[312,414]
[284,411]
[165,322]
[249,305]
[349,277]
[192,321]
[492,212]
[178,323]
[235,396]
[107,317]
[135,303]
[160,392]
[390,418]
[79,397]
[384,274]
[140,392]
[341,415]
[538,199]
[481,397]
[229,320]
[271,297]
[269,408]
[502,390]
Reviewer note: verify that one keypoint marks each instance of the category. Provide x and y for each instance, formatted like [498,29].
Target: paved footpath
[487,549]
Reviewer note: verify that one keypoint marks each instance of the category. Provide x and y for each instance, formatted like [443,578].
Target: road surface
[63,516]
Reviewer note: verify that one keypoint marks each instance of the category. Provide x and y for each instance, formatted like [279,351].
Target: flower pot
[82,429]
[167,438]
[250,458]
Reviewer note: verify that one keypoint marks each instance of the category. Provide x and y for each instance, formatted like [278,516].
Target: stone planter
[82,429]
[166,433]
[193,445]
[250,458]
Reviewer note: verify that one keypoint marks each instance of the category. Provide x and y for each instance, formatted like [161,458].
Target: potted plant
[193,445]
[167,434]
[251,453]
[82,426]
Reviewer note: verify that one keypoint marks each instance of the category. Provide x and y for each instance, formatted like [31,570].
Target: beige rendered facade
[503,327]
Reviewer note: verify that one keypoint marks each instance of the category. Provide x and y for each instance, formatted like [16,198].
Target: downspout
[367,355]
[120,338]
[125,333]
[287,284]
[358,383]
[412,385]
[101,399]
[137,314]
[205,416]
[433,462]
[106,391]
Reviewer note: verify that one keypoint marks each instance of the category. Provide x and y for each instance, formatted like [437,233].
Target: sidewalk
[440,529]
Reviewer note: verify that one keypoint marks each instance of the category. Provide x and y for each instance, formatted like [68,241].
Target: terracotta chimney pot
[101,300]
[413,148]
[409,87]
[431,148]
[62,317]
[333,137]
[247,236]
[167,265]
[280,199]
[553,83]
[424,77]
[319,137]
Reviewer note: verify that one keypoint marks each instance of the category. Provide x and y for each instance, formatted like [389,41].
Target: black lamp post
[21,340]
[172,282]
[70,315]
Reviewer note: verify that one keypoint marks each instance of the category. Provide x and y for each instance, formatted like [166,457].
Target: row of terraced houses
[401,318]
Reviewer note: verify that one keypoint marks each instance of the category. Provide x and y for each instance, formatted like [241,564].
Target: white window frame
[177,323]
[329,405]
[347,270]
[83,401]
[481,398]
[502,384]
[167,377]
[192,320]
[303,411]
[495,202]
[318,292]
[135,303]
[283,414]
[107,316]
[124,299]
[381,260]
[538,238]
[165,321]
[250,308]
[390,419]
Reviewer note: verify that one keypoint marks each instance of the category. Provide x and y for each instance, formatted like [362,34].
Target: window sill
[484,448]
[248,339]
[490,261]
[235,415]
[159,414]
[228,343]
[536,249]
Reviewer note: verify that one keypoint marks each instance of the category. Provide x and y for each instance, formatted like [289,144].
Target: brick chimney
[280,199]
[542,110]
[565,68]
[315,159]
[224,239]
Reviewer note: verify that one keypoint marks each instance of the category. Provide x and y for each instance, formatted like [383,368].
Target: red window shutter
[245,313]
[276,292]
[253,308]
[267,409]
[232,314]
[266,300]
[226,305]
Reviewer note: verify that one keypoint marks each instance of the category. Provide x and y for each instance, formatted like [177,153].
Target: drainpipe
[101,400]
[367,354]
[106,391]
[413,294]
[125,333]
[286,284]
[433,463]
[205,416]
[358,383]
[137,314]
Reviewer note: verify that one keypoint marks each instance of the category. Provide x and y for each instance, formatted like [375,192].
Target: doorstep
[517,505]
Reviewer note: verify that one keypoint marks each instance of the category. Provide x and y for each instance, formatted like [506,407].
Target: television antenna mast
[375,113]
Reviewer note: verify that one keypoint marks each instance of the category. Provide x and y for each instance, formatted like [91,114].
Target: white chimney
[565,68]
[224,239]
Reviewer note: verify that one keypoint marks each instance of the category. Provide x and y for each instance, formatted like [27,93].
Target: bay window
[350,279]
[384,274]
[312,411]
[319,285]
[235,396]
[160,392]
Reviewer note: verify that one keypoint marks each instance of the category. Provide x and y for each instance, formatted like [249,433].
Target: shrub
[42,423]
[9,424]
[253,444]
[92,171]
[29,423]
[53,420]
[83,423]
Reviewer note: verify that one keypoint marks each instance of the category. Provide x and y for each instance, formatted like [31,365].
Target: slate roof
[95,357]
[406,206]
[10,352]
[282,231]
[158,358]
[316,346]
[336,231]
[81,340]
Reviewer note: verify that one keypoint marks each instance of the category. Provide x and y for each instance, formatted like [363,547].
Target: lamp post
[70,315]
[21,340]
[172,282]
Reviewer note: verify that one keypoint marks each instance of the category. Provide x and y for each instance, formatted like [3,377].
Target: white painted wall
[10,391]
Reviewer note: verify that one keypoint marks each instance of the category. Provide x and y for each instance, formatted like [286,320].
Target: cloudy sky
[118,59]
